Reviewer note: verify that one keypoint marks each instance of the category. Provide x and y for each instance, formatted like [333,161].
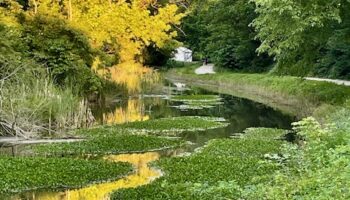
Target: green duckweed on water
[112,144]
[197,105]
[262,134]
[218,171]
[196,102]
[19,174]
[175,125]
[131,137]
[202,98]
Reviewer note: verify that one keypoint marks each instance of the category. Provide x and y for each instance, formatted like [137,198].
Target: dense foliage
[63,51]
[220,30]
[319,169]
[29,96]
[50,51]
[304,38]
[305,35]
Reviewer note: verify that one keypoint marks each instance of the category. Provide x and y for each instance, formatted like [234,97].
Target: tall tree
[129,23]
[295,32]
[220,29]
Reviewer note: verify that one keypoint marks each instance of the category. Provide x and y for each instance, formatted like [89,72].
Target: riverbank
[292,95]
[257,164]
[227,163]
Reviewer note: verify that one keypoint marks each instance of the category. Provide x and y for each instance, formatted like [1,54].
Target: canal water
[154,104]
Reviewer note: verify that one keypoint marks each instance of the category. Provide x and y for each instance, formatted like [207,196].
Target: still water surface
[240,113]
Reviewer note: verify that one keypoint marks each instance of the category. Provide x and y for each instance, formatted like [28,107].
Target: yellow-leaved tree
[131,24]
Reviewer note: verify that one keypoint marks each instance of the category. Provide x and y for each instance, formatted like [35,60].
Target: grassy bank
[315,167]
[21,174]
[290,94]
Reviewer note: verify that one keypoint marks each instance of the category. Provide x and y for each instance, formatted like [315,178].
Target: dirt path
[205,69]
[336,81]
[209,69]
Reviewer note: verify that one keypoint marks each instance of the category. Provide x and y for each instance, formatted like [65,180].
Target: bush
[319,169]
[28,97]
[64,51]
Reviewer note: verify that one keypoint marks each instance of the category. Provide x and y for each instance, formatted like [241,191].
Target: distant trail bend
[209,69]
[205,69]
[336,81]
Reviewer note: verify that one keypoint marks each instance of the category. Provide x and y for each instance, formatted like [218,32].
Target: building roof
[183,49]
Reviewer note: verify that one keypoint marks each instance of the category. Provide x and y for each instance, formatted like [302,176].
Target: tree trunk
[35,6]
[70,10]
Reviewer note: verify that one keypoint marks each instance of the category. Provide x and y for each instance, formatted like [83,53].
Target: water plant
[218,171]
[20,174]
[317,169]
[112,144]
[197,97]
[175,125]
[196,102]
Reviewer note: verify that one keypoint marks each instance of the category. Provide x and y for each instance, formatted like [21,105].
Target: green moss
[174,125]
[218,171]
[22,173]
[111,144]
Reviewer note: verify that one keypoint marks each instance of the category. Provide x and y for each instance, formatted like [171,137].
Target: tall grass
[33,103]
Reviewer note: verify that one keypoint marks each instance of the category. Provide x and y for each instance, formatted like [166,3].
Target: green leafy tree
[220,30]
[296,32]
[334,59]
[64,51]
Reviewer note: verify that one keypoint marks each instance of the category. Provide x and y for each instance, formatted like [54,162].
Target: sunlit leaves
[130,23]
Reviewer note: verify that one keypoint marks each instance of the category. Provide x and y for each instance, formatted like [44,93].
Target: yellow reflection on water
[131,74]
[133,112]
[143,175]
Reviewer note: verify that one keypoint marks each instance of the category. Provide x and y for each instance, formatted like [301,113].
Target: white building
[183,54]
